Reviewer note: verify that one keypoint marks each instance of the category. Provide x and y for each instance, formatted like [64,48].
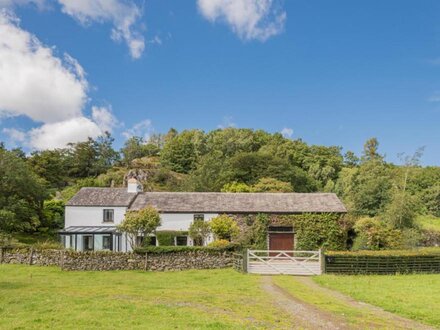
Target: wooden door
[281,241]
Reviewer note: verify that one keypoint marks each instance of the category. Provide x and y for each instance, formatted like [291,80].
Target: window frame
[104,211]
[199,216]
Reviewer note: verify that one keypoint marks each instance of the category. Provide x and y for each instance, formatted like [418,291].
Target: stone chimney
[134,186]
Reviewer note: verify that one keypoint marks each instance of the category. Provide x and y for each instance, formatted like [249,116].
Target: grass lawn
[45,297]
[429,222]
[333,304]
[413,296]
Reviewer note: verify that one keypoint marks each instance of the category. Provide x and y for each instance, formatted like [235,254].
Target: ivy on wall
[315,231]
[312,231]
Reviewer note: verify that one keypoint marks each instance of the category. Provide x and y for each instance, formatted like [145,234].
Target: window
[199,216]
[106,242]
[181,240]
[108,215]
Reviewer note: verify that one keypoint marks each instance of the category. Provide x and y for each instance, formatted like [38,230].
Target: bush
[199,230]
[7,240]
[221,243]
[142,222]
[48,245]
[166,237]
[177,249]
[224,227]
[372,234]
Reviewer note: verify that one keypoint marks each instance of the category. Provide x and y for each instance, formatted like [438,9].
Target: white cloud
[249,19]
[37,84]
[143,129]
[123,14]
[57,135]
[11,3]
[104,118]
[33,81]
[287,132]
[228,121]
[15,135]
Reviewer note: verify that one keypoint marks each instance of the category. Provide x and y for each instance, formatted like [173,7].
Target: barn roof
[207,202]
[239,202]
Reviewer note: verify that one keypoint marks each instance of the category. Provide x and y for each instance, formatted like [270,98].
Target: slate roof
[193,202]
[205,202]
[102,197]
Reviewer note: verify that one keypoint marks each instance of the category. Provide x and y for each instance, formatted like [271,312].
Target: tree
[370,152]
[22,193]
[139,223]
[400,213]
[51,165]
[236,187]
[370,188]
[199,231]
[136,147]
[350,159]
[224,227]
[272,185]
[181,152]
[53,211]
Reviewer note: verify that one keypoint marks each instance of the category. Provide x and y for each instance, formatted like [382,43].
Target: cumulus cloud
[33,81]
[249,19]
[143,129]
[15,135]
[104,118]
[123,14]
[58,135]
[287,132]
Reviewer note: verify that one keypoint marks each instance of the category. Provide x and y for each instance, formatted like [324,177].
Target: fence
[381,264]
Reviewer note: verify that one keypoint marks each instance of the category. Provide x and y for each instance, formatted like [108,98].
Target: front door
[281,241]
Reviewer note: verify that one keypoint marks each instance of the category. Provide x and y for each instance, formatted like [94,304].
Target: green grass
[413,296]
[44,297]
[328,302]
[429,222]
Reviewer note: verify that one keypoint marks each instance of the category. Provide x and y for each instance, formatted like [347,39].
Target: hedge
[425,260]
[176,249]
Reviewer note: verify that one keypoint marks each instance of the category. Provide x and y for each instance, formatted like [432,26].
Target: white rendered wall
[92,216]
[180,221]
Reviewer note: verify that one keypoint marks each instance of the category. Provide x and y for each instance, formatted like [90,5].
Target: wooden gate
[273,262]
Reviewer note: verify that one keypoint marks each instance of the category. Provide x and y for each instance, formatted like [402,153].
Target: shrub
[166,237]
[199,230]
[372,234]
[224,227]
[142,222]
[6,240]
[221,243]
[177,249]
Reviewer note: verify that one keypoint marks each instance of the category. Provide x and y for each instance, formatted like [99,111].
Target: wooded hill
[34,187]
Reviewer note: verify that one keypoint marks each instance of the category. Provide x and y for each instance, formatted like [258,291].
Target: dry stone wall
[102,261]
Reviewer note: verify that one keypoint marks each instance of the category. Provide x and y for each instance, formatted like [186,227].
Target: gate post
[245,260]
[322,260]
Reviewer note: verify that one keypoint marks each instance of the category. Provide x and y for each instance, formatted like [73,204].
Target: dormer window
[108,215]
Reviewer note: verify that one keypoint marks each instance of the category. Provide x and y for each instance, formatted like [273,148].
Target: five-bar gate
[273,262]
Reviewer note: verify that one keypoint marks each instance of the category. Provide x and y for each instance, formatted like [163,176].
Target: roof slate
[206,202]
[102,197]
[239,202]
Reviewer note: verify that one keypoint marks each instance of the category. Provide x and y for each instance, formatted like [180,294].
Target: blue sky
[333,72]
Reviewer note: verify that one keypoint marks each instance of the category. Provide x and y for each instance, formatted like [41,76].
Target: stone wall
[71,260]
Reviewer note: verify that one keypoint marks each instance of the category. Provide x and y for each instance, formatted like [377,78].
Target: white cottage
[92,215]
